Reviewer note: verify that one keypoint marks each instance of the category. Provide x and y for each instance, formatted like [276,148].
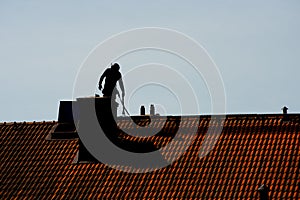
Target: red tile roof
[252,150]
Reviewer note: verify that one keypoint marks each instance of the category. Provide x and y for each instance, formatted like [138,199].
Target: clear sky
[255,45]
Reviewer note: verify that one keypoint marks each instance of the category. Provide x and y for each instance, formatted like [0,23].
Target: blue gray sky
[255,45]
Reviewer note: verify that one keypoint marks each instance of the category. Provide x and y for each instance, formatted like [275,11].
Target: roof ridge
[27,122]
[228,116]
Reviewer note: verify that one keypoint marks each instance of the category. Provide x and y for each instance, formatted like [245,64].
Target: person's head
[115,67]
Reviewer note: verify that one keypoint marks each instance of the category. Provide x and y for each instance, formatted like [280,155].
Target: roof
[252,150]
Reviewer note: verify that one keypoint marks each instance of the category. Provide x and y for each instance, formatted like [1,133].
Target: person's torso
[111,78]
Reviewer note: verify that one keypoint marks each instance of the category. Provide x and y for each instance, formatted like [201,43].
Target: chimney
[106,110]
[65,127]
[142,110]
[65,114]
[152,109]
[285,113]
[263,191]
[284,109]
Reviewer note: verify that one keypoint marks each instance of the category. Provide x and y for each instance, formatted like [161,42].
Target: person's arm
[122,86]
[101,79]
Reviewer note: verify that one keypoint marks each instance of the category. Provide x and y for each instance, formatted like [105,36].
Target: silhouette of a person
[112,76]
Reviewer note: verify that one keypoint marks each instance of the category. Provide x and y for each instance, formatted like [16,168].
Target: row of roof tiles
[242,159]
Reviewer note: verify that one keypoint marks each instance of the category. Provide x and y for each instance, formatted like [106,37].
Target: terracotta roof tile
[252,150]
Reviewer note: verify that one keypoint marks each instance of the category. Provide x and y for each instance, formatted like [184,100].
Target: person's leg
[114,95]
